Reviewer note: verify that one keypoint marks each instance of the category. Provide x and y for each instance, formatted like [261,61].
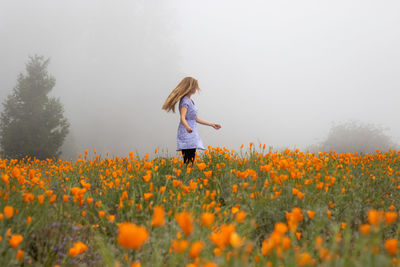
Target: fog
[274,72]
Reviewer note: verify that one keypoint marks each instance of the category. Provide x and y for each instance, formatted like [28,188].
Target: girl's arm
[183,111]
[214,125]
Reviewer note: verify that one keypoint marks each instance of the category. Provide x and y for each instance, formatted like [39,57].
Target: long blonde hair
[186,86]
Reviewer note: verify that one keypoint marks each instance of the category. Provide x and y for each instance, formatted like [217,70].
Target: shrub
[356,137]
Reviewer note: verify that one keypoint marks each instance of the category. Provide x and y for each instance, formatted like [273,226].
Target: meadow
[252,207]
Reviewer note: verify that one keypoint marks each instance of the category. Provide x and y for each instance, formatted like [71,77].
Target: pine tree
[32,123]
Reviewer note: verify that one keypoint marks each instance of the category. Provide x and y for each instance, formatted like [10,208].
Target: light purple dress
[186,140]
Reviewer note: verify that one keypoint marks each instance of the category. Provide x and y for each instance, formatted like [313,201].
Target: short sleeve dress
[186,140]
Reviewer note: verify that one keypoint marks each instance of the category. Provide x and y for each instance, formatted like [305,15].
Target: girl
[188,140]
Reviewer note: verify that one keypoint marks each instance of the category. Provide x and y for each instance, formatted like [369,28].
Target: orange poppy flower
[147,196]
[131,236]
[240,216]
[390,217]
[208,174]
[364,229]
[111,218]
[40,199]
[201,166]
[136,264]
[222,237]
[310,214]
[185,222]
[101,214]
[53,198]
[8,211]
[195,249]
[373,217]
[235,240]
[391,246]
[304,259]
[280,228]
[286,243]
[207,218]
[77,249]
[158,216]
[20,254]
[234,188]
[15,240]
[147,177]
[179,246]
[267,246]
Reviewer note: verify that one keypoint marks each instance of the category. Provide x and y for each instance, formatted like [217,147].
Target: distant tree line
[32,123]
[355,137]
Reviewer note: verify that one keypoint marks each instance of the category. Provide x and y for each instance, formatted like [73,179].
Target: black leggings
[188,155]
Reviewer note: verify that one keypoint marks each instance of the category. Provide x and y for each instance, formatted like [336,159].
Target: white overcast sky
[275,72]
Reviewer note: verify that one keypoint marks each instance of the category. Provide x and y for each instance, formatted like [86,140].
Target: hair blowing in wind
[187,85]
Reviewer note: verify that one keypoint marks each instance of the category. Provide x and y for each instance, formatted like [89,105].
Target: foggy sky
[275,72]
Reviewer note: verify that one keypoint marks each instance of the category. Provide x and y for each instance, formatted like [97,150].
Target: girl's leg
[188,155]
[192,154]
[185,155]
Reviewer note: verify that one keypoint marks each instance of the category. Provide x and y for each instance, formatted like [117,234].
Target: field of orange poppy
[230,208]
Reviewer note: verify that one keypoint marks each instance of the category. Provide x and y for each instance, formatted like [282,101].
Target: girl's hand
[189,129]
[216,126]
